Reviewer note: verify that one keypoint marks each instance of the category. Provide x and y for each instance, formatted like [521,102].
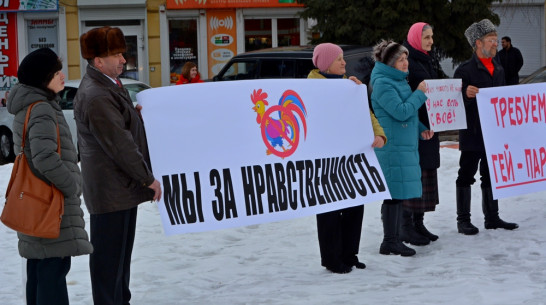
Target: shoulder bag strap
[27,117]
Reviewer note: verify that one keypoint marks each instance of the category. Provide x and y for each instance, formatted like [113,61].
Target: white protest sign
[445,106]
[513,120]
[245,152]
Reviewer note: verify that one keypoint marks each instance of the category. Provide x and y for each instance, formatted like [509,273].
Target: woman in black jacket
[422,66]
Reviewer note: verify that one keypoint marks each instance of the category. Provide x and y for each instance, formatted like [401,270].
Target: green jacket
[62,171]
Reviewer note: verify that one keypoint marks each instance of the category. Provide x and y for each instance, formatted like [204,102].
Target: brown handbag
[33,206]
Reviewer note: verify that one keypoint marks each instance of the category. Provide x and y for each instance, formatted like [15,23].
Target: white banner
[513,120]
[445,104]
[245,152]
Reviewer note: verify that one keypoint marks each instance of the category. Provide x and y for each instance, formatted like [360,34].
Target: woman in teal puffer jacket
[48,260]
[396,108]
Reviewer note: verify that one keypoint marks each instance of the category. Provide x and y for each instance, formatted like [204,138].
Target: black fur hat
[38,68]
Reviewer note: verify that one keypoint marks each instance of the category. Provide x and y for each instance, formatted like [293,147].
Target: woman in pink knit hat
[339,231]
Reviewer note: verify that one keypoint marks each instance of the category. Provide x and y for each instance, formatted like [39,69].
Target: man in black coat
[481,71]
[511,60]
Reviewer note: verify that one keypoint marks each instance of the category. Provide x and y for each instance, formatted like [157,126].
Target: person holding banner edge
[396,107]
[422,66]
[339,231]
[48,260]
[481,71]
[115,163]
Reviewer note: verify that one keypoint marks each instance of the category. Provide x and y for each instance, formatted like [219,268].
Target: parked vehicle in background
[292,62]
[67,104]
[539,76]
[69,92]
[6,136]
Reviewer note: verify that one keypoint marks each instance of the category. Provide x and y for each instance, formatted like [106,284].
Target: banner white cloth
[513,120]
[245,152]
[445,106]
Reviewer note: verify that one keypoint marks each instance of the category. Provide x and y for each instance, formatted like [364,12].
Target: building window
[182,45]
[258,34]
[130,69]
[288,32]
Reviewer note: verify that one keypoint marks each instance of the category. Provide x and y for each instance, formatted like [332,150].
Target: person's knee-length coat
[62,171]
[396,108]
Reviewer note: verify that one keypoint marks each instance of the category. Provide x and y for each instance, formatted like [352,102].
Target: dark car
[539,76]
[292,62]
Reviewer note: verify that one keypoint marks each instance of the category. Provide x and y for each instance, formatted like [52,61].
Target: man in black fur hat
[481,71]
[115,163]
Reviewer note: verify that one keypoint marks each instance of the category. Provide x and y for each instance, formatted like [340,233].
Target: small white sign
[42,33]
[445,104]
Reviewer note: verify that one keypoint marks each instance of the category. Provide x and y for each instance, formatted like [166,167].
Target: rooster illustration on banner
[279,124]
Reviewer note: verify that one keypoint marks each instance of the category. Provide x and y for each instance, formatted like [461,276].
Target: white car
[67,104]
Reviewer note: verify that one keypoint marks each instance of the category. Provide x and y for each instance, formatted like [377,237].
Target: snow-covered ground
[279,263]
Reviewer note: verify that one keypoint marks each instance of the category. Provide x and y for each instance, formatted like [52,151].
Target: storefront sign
[42,33]
[184,54]
[513,121]
[247,152]
[9,62]
[222,42]
[22,5]
[199,4]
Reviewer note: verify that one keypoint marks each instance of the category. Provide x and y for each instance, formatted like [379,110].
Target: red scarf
[488,63]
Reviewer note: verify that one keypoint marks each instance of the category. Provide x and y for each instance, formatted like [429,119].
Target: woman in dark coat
[422,66]
[48,260]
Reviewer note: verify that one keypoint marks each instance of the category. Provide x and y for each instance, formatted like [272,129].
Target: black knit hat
[38,68]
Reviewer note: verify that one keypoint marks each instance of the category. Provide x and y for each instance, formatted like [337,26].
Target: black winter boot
[390,214]
[341,269]
[464,225]
[491,212]
[420,226]
[353,261]
[408,233]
